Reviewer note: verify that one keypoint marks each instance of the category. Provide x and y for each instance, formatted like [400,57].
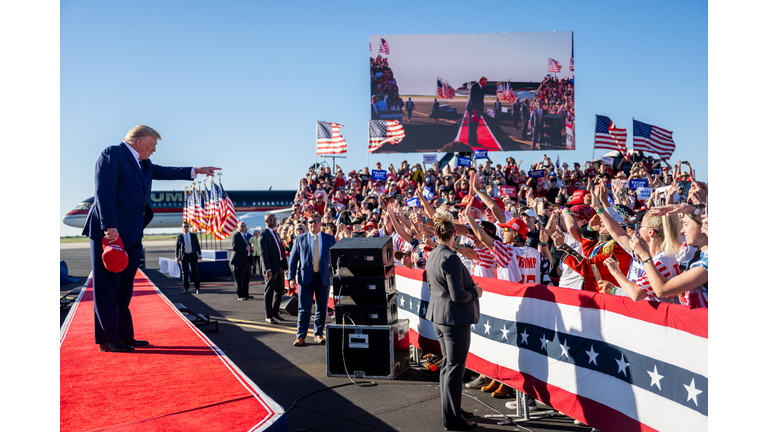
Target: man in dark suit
[311,254]
[374,108]
[475,106]
[537,122]
[241,260]
[188,251]
[526,118]
[516,114]
[122,208]
[273,264]
[409,107]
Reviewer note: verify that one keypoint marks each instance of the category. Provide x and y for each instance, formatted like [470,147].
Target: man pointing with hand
[122,209]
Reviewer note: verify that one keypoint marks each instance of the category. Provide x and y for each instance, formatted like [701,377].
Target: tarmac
[296,377]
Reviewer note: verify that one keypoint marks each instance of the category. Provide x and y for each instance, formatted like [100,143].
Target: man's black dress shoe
[466,414]
[115,347]
[135,343]
[462,427]
[250,296]
[185,292]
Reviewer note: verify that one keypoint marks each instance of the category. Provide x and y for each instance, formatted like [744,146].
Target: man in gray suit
[453,308]
[273,264]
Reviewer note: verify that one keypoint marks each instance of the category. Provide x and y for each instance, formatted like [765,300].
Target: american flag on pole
[554,66]
[204,204]
[384,47]
[504,92]
[384,131]
[571,63]
[197,223]
[444,90]
[609,137]
[186,214]
[594,357]
[226,217]
[329,139]
[652,139]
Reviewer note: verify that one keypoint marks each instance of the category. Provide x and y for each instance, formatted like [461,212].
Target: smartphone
[596,272]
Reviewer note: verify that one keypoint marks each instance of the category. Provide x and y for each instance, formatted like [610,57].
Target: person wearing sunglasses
[310,266]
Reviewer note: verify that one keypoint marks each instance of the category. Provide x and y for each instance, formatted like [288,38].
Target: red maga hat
[516,224]
[476,203]
[114,256]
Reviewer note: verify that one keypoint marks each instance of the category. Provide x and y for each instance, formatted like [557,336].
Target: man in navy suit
[475,106]
[121,208]
[312,255]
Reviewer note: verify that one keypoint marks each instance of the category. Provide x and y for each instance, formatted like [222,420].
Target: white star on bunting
[655,377]
[592,355]
[544,341]
[564,346]
[692,392]
[504,332]
[622,365]
[487,327]
[524,334]
[402,302]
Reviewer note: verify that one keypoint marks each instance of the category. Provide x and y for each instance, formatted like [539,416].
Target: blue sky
[240,85]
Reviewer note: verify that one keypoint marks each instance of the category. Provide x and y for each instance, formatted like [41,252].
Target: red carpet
[485,138]
[180,382]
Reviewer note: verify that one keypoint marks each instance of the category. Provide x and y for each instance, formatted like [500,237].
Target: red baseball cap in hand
[114,256]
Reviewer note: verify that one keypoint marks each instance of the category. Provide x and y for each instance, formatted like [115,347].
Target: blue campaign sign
[536,173]
[464,161]
[378,175]
[481,154]
[413,202]
[638,183]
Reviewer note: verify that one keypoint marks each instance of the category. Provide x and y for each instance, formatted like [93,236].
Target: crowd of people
[556,96]
[578,227]
[384,85]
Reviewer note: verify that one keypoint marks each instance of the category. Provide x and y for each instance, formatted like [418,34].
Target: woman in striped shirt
[660,233]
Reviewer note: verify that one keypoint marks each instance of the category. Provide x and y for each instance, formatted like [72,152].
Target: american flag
[205,217]
[444,90]
[213,220]
[571,64]
[652,139]
[329,139]
[504,92]
[561,347]
[226,218]
[554,66]
[186,214]
[197,215]
[384,47]
[609,137]
[384,131]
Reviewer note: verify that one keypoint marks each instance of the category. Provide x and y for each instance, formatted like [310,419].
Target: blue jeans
[320,292]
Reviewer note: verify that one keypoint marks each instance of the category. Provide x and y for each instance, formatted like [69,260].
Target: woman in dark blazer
[453,308]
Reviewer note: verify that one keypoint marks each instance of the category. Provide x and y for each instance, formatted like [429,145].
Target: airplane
[168,206]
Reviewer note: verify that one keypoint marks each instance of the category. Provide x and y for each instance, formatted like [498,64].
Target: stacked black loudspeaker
[364,285]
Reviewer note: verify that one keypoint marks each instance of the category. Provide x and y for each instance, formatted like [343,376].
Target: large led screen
[432,85]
